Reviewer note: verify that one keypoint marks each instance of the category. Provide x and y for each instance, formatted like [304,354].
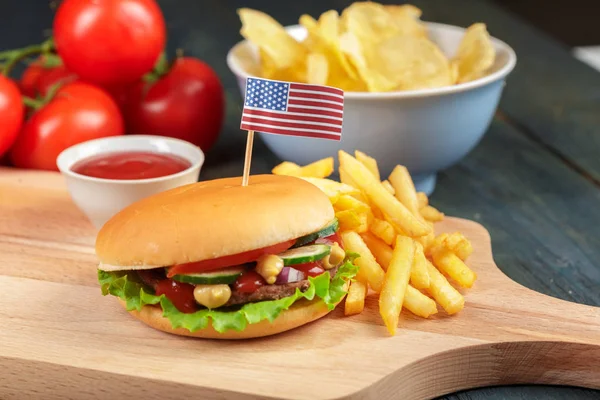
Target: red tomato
[58,75]
[109,41]
[187,103]
[121,94]
[37,71]
[30,78]
[180,294]
[310,269]
[77,113]
[12,113]
[227,261]
[249,282]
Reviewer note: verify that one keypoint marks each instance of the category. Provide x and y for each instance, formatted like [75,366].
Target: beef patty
[267,292]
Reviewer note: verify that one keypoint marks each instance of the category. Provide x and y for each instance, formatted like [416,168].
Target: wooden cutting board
[59,338]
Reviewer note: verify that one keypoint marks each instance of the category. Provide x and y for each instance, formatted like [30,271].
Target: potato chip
[475,53]
[366,24]
[412,63]
[268,67]
[269,70]
[369,47]
[407,18]
[312,28]
[329,28]
[317,69]
[352,48]
[369,22]
[454,71]
[271,37]
[404,9]
[315,42]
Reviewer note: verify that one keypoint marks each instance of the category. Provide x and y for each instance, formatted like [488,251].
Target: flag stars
[266,95]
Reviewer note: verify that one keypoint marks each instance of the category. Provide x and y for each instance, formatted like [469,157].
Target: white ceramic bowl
[427,130]
[99,198]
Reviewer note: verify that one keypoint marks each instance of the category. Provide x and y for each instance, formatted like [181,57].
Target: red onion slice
[289,275]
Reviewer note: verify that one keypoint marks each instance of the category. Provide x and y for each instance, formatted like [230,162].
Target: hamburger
[217,260]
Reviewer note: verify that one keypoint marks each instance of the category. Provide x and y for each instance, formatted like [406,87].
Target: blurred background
[206,29]
[573,22]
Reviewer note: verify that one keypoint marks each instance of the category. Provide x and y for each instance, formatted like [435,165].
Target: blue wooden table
[534,180]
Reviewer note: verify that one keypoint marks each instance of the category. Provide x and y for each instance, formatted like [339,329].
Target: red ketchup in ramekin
[127,165]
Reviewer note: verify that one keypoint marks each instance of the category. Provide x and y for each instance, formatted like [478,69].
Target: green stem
[24,53]
[14,56]
[51,92]
[8,54]
[32,103]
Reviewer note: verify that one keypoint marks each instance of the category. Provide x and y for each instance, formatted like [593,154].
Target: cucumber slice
[301,255]
[328,230]
[225,275]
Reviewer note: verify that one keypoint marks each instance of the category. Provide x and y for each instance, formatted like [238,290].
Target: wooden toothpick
[248,158]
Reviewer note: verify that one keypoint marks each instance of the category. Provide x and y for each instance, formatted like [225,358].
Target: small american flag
[296,109]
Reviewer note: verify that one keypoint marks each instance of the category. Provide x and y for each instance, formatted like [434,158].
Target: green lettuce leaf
[136,296]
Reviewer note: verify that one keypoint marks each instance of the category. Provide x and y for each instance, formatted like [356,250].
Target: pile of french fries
[391,226]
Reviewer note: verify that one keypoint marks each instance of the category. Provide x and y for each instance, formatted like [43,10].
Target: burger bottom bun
[300,313]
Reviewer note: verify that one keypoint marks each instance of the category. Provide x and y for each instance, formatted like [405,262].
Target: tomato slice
[227,261]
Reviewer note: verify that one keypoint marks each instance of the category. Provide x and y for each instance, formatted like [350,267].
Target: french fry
[346,179]
[360,196]
[404,188]
[364,223]
[391,226]
[381,251]
[383,230]
[396,282]
[355,299]
[438,241]
[319,169]
[400,217]
[464,249]
[374,209]
[419,304]
[419,277]
[432,214]
[388,186]
[368,162]
[455,242]
[422,200]
[454,267]
[287,168]
[348,220]
[347,202]
[459,245]
[443,292]
[369,270]
[427,240]
[396,228]
[331,188]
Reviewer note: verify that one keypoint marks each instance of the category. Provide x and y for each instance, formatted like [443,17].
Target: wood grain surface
[62,339]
